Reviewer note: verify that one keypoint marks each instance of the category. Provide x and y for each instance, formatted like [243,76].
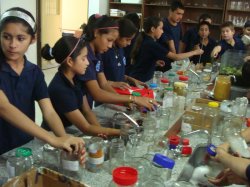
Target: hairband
[72,51]
[102,28]
[20,15]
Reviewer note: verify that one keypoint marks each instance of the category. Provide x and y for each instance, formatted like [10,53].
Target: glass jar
[222,87]
[51,157]
[168,99]
[187,123]
[206,75]
[149,128]
[26,154]
[70,164]
[15,166]
[157,77]
[180,88]
[164,119]
[95,154]
[124,176]
[155,88]
[210,118]
[116,153]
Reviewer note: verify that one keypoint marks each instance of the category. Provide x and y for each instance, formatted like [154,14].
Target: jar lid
[183,78]
[174,140]
[207,70]
[163,161]
[248,122]
[125,176]
[211,149]
[171,74]
[164,80]
[153,85]
[137,94]
[23,152]
[213,104]
[169,88]
[179,72]
[185,141]
[187,150]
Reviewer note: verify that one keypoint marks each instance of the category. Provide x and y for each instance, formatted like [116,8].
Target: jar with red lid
[186,149]
[124,176]
[173,141]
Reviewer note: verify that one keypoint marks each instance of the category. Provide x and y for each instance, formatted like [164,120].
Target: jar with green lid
[210,118]
[26,154]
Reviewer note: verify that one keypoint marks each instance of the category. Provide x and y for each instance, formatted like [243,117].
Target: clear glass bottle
[116,153]
[149,128]
[95,154]
[124,176]
[15,166]
[157,77]
[26,154]
[70,164]
[168,99]
[155,88]
[51,157]
[164,119]
[187,123]
[210,118]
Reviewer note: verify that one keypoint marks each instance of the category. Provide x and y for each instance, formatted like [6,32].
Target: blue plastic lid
[163,161]
[211,149]
[153,85]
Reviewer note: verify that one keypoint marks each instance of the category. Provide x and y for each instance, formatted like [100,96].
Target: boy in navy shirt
[229,41]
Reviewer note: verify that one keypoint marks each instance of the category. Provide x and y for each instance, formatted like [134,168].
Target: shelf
[157,5]
[235,10]
[203,7]
[116,3]
[195,22]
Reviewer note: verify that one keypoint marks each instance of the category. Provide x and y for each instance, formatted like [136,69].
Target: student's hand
[226,178]
[247,58]
[146,102]
[215,52]
[198,52]
[71,144]
[136,82]
[160,63]
[121,85]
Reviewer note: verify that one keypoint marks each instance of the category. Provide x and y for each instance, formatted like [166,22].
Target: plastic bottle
[124,176]
[26,154]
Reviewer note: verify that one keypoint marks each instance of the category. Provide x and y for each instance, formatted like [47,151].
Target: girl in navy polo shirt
[147,53]
[114,60]
[23,82]
[100,33]
[65,89]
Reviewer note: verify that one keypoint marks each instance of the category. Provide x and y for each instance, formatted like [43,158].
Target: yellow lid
[213,104]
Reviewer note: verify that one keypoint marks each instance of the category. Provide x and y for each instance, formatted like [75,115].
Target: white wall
[98,6]
[74,13]
[29,5]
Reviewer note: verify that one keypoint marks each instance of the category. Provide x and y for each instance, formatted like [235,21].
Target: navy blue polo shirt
[22,91]
[95,66]
[65,97]
[189,38]
[171,32]
[239,45]
[114,63]
[206,56]
[150,51]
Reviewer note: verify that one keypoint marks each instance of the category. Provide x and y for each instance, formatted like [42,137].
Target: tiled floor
[49,74]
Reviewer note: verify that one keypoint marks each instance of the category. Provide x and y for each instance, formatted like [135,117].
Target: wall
[98,6]
[30,6]
[74,13]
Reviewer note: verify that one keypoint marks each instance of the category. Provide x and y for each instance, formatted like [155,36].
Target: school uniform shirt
[239,45]
[189,38]
[171,32]
[150,51]
[114,63]
[206,56]
[95,66]
[22,90]
[65,97]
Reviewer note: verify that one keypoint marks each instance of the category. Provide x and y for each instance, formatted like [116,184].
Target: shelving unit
[220,10]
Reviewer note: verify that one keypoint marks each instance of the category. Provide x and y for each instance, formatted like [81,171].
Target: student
[246,35]
[23,83]
[100,33]
[65,89]
[114,60]
[228,40]
[172,27]
[204,42]
[132,16]
[191,35]
[148,53]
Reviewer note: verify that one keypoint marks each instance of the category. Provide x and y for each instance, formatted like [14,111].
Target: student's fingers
[83,156]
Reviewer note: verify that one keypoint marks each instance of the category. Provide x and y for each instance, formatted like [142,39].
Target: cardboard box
[43,177]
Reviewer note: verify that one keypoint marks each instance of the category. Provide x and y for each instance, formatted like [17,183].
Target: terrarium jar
[222,88]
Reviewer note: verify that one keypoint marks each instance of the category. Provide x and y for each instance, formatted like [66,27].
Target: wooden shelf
[235,10]
[117,3]
[203,7]
[157,5]
[195,22]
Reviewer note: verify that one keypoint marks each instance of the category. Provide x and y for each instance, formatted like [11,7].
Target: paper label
[70,165]
[96,161]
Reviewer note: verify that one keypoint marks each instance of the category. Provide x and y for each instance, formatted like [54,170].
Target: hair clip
[21,15]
